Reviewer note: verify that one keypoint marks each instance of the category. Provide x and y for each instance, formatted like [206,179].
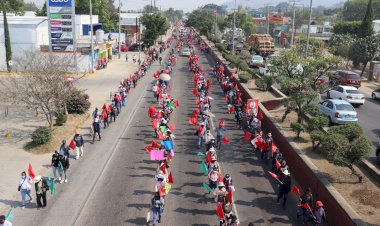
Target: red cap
[319,204]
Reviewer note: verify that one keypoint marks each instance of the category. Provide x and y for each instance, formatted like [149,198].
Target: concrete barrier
[338,211]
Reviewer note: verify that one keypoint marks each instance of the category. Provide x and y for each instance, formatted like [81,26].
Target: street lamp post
[233,30]
[308,28]
[119,54]
[91,40]
[293,24]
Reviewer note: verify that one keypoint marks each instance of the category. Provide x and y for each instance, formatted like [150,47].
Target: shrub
[77,102]
[61,119]
[244,78]
[297,128]
[42,135]
[316,123]
[351,131]
[264,83]
[243,65]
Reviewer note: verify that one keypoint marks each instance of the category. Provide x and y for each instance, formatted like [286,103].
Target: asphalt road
[114,183]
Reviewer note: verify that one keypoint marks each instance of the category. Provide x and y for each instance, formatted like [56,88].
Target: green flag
[61,167]
[162,128]
[9,217]
[172,105]
[165,64]
[51,185]
[206,187]
[111,95]
[200,154]
[204,168]
[167,188]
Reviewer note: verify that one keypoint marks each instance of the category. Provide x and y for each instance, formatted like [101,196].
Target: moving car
[347,93]
[256,61]
[376,94]
[347,78]
[338,111]
[185,52]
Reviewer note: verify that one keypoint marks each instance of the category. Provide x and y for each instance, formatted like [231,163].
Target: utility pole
[91,40]
[119,54]
[267,17]
[233,30]
[308,28]
[293,24]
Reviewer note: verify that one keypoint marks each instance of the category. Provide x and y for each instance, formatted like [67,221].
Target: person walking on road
[200,133]
[319,215]
[64,149]
[160,60]
[55,164]
[307,197]
[96,127]
[4,222]
[157,208]
[134,58]
[64,166]
[79,145]
[219,134]
[25,186]
[284,187]
[126,57]
[41,187]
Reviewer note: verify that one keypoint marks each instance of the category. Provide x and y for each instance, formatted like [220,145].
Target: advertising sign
[252,106]
[61,14]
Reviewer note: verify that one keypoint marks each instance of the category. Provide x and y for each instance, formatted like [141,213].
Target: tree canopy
[202,20]
[155,24]
[354,10]
[366,27]
[173,15]
[243,21]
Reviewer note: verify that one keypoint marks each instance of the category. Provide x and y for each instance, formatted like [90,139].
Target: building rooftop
[24,20]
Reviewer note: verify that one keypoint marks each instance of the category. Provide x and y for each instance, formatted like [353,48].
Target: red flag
[148,149]
[278,164]
[173,127]
[273,175]
[170,178]
[195,112]
[220,178]
[225,140]
[154,123]
[274,148]
[231,109]
[226,97]
[296,190]
[219,211]
[195,92]
[305,205]
[247,136]
[236,87]
[163,168]
[160,135]
[72,144]
[31,171]
[222,123]
[162,192]
[176,103]
[208,158]
[260,115]
[197,101]
[193,120]
[230,196]
[154,144]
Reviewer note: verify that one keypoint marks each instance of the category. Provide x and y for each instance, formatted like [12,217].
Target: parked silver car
[338,111]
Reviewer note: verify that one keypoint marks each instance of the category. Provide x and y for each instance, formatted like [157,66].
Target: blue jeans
[157,213]
[25,192]
[200,141]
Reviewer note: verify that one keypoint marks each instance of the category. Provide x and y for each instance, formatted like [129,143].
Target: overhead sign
[61,15]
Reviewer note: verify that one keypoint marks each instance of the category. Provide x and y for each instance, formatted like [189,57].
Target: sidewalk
[13,159]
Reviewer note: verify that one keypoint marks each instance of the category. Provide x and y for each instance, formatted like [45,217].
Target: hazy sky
[189,5]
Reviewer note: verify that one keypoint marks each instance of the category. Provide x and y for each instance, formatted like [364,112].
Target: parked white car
[347,93]
[185,52]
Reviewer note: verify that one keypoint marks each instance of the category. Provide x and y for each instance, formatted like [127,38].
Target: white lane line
[114,147]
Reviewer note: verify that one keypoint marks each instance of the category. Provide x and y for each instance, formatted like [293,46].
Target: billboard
[61,16]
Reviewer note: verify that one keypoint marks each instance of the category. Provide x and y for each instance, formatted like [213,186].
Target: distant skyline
[188,6]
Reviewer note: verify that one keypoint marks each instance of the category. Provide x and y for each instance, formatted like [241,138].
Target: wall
[303,170]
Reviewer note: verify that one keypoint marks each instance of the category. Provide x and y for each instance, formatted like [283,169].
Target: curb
[371,169]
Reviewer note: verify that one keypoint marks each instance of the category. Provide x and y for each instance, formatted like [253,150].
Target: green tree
[354,10]
[344,145]
[366,28]
[243,21]
[201,20]
[347,28]
[150,9]
[364,50]
[155,24]
[299,76]
[173,15]
[15,6]
[30,6]
[42,11]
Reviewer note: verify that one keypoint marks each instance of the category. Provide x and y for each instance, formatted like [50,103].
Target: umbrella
[164,77]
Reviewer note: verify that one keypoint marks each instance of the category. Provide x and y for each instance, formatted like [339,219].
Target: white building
[29,33]
[325,28]
[376,26]
[26,33]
